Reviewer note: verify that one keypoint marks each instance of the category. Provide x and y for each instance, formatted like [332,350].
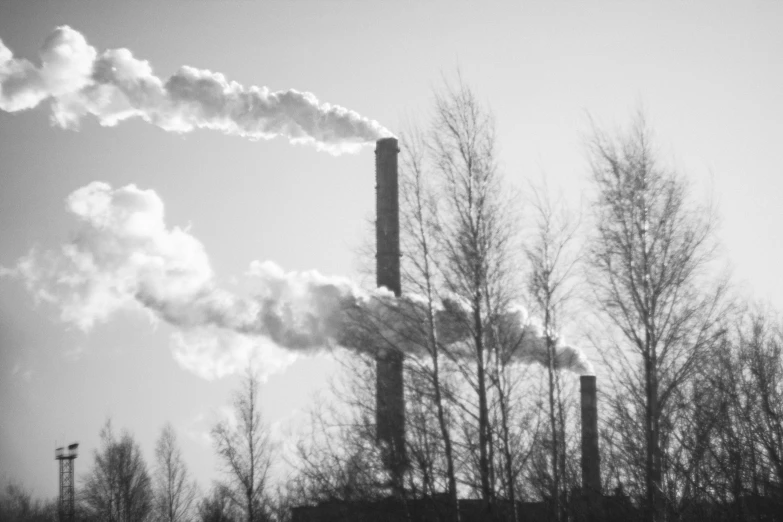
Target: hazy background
[708,75]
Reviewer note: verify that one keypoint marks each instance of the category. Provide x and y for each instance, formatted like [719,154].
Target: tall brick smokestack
[390,401]
[591,466]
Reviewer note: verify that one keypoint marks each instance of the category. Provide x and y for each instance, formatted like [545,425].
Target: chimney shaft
[387,224]
[390,401]
[591,469]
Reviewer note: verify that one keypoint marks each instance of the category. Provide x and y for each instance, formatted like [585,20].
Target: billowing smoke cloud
[114,86]
[123,256]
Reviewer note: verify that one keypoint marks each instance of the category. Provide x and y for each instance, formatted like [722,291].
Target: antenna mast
[67,487]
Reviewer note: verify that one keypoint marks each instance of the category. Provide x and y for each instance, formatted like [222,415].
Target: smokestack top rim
[587,382]
[387,144]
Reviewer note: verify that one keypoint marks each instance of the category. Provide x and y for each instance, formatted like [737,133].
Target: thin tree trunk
[555,492]
[443,425]
[653,511]
[561,426]
[508,456]
[444,430]
[486,487]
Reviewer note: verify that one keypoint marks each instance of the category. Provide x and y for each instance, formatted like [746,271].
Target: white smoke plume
[114,86]
[123,256]
[531,345]
[521,337]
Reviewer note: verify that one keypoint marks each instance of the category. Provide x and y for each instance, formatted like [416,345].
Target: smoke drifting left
[123,256]
[114,86]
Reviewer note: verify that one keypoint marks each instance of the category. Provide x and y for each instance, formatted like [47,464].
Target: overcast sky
[708,75]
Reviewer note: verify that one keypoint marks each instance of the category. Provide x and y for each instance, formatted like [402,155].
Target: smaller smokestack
[591,467]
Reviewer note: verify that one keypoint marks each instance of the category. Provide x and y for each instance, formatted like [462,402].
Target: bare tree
[338,458]
[552,255]
[747,434]
[175,492]
[245,451]
[724,444]
[18,505]
[420,270]
[458,239]
[516,422]
[648,259]
[761,358]
[118,487]
[217,507]
[474,234]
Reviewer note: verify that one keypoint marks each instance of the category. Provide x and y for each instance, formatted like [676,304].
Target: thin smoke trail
[114,86]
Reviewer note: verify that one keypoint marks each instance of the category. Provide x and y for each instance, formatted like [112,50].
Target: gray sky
[708,75]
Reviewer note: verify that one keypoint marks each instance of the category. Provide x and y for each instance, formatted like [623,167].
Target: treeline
[690,381]
[690,376]
[120,486]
